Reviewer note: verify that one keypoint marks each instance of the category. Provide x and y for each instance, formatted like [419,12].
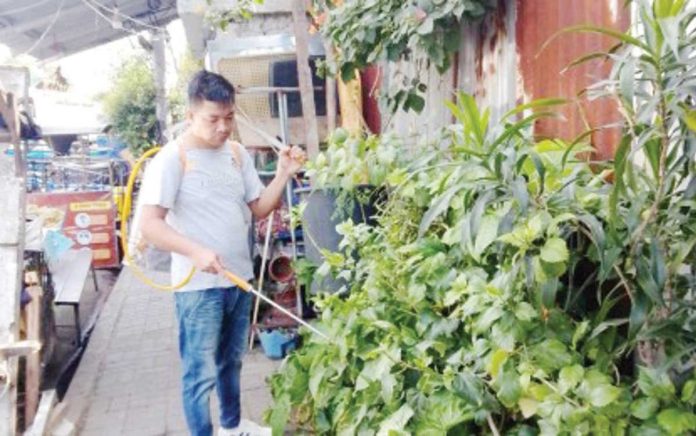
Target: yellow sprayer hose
[237,281]
[125,213]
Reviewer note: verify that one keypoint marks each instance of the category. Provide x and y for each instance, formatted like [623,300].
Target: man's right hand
[207,260]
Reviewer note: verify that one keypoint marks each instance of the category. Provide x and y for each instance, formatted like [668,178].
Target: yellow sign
[90,205]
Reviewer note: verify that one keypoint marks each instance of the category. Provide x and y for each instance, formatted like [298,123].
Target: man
[196,197]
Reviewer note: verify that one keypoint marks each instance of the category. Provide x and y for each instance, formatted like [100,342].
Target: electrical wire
[126,17]
[25,8]
[48,29]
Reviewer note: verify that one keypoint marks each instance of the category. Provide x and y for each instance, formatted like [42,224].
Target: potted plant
[349,180]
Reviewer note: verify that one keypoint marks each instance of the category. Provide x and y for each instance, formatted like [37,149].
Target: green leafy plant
[366,32]
[355,167]
[221,15]
[130,104]
[511,288]
[349,161]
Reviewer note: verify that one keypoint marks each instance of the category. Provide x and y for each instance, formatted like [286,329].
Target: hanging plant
[368,31]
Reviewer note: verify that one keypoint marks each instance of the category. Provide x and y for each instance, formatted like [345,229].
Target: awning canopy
[50,29]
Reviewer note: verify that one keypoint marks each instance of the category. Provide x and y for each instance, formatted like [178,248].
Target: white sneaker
[245,428]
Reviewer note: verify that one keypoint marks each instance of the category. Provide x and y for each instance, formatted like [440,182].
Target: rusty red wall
[541,70]
[371,83]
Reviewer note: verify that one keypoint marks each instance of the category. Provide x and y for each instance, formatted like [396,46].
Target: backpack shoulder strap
[234,146]
[237,152]
[182,155]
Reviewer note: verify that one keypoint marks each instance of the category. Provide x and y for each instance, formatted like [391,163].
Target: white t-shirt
[207,199]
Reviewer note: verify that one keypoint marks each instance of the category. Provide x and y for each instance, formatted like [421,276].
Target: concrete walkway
[128,382]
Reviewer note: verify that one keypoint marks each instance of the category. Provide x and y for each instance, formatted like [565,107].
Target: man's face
[211,122]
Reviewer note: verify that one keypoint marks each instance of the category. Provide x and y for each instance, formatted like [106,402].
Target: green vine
[368,31]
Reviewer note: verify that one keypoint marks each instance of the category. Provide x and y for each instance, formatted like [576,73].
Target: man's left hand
[291,160]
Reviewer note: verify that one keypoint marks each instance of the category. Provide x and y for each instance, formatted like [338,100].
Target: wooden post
[159,69]
[32,386]
[330,90]
[304,76]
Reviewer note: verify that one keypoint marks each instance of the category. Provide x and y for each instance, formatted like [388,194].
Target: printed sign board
[87,218]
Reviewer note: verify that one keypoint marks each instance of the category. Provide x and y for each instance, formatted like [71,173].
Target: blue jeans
[213,329]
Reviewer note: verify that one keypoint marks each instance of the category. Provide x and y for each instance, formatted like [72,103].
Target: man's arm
[270,197]
[290,160]
[157,232]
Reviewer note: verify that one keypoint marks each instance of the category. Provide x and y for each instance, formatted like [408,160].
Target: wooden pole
[330,90]
[262,275]
[304,76]
[32,385]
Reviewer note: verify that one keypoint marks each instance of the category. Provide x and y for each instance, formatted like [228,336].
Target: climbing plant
[365,32]
[512,288]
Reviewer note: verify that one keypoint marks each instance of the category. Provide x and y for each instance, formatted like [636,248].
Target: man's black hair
[211,87]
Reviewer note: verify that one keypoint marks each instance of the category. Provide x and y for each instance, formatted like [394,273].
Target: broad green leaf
[525,312]
[439,207]
[639,313]
[540,276]
[388,383]
[487,233]
[470,387]
[540,392]
[604,395]
[509,386]
[497,359]
[569,377]
[579,333]
[488,317]
[551,354]
[690,120]
[644,408]
[656,383]
[688,392]
[554,251]
[677,421]
[528,406]
[316,379]
[415,102]
[553,270]
[280,413]
[620,159]
[443,411]
[662,8]
[541,171]
[397,421]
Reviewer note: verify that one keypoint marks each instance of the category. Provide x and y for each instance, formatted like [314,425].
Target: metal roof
[50,29]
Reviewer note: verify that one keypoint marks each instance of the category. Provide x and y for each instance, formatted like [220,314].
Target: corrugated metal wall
[540,71]
[488,60]
[501,63]
[435,114]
